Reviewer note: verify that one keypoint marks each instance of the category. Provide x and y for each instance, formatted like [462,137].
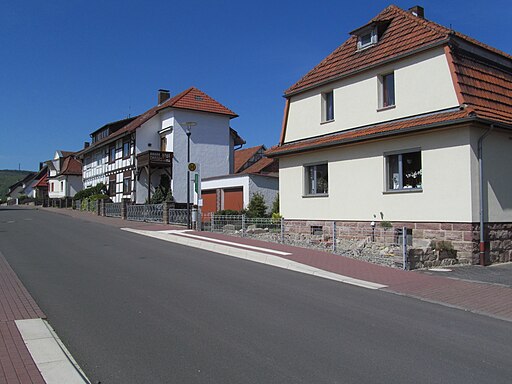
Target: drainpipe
[481,203]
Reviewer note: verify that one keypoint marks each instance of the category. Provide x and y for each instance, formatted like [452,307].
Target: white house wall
[357,181]
[422,84]
[497,160]
[209,146]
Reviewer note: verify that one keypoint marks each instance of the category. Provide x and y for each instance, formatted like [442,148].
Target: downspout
[481,203]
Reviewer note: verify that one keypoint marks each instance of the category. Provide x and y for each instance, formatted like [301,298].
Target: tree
[257,206]
[163,192]
[275,204]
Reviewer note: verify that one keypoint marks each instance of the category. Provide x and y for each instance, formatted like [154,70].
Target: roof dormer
[368,35]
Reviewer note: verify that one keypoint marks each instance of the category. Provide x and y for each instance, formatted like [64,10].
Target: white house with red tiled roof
[131,156]
[394,124]
[64,175]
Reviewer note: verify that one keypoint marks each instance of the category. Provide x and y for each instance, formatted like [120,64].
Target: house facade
[132,158]
[64,175]
[110,159]
[407,122]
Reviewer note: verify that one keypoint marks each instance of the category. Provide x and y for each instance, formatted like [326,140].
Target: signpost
[194,167]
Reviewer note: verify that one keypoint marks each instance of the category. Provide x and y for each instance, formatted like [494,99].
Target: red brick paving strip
[16,364]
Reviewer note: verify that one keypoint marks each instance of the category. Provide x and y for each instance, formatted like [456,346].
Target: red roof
[242,156]
[43,182]
[483,86]
[404,35]
[372,131]
[71,166]
[192,99]
[263,166]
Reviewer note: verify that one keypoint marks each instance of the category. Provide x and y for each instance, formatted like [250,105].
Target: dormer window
[368,35]
[367,39]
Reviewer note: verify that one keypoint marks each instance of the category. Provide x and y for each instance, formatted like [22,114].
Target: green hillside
[9,177]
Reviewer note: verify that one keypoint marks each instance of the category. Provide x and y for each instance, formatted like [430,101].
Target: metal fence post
[404,247]
[165,213]
[243,225]
[124,209]
[334,237]
[282,230]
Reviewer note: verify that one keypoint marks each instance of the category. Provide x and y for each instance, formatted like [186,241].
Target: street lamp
[188,124]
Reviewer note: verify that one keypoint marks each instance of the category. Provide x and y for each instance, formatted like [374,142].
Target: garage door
[234,199]
[209,201]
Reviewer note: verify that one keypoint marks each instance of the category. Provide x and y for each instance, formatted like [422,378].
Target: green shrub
[257,206]
[98,189]
[386,225]
[275,205]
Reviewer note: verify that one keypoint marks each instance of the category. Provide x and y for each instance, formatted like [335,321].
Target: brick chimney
[163,95]
[418,11]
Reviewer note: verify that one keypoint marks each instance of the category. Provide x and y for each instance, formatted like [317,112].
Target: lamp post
[373,230]
[189,124]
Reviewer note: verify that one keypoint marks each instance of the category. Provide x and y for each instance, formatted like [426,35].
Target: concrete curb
[258,257]
[51,357]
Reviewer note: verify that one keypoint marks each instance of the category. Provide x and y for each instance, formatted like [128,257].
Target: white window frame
[310,190]
[373,39]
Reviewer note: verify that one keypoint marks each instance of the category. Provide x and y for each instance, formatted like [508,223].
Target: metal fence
[178,216]
[145,212]
[113,209]
[374,243]
[381,243]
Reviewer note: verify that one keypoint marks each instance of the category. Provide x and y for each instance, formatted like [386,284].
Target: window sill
[405,190]
[386,108]
[327,122]
[316,195]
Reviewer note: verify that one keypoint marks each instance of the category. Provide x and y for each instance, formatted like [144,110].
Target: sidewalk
[479,297]
[17,365]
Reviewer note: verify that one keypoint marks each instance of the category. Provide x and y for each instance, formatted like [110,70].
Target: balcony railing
[154,159]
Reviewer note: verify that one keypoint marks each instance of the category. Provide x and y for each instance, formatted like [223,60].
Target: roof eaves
[373,136]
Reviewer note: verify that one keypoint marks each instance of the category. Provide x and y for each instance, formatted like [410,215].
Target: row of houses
[133,156]
[406,122]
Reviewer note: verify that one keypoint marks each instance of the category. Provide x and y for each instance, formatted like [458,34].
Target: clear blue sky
[70,66]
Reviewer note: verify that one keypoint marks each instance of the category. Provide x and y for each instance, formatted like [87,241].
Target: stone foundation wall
[464,237]
[500,242]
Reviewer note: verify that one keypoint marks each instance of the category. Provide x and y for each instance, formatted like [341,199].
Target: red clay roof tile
[71,166]
[484,87]
[242,156]
[263,166]
[405,34]
[192,99]
[368,132]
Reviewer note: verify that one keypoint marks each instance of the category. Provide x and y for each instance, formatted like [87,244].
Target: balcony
[154,159]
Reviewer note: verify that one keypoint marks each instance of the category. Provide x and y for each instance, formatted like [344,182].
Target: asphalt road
[133,309]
